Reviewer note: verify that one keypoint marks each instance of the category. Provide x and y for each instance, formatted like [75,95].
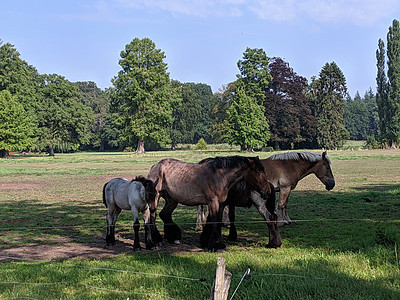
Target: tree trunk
[140,147]
[51,153]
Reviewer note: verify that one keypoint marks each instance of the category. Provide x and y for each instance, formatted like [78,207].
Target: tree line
[268,105]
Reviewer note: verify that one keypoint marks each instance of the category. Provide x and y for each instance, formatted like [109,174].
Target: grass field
[343,244]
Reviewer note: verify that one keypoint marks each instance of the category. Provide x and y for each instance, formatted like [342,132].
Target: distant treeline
[269,105]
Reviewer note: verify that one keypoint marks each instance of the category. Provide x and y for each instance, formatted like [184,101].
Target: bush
[201,144]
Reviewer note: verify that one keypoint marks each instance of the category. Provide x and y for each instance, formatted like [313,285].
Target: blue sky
[202,40]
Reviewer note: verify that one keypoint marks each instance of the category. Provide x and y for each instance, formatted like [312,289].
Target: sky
[202,40]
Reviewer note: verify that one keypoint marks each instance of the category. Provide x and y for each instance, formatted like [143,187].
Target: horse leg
[112,214]
[274,236]
[283,218]
[266,210]
[210,238]
[149,234]
[232,228]
[136,227]
[200,218]
[172,232]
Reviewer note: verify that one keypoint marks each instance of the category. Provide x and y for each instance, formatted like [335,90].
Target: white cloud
[359,12]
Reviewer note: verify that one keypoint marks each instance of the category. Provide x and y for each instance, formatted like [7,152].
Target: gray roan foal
[137,196]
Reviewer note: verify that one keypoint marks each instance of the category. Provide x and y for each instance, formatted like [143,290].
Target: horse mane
[299,155]
[231,162]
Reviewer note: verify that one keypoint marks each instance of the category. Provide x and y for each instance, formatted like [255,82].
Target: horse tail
[104,194]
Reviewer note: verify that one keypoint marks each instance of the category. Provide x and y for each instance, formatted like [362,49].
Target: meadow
[342,244]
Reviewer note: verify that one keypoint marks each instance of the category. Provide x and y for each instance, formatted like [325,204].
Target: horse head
[150,191]
[324,173]
[255,177]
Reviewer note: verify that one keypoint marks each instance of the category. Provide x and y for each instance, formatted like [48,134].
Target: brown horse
[284,171]
[207,182]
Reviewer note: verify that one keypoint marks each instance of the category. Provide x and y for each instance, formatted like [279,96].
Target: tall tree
[142,95]
[246,124]
[62,118]
[288,110]
[393,53]
[254,73]
[16,130]
[382,88]
[328,93]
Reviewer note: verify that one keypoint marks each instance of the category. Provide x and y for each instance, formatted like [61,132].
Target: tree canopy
[142,95]
[328,93]
[388,87]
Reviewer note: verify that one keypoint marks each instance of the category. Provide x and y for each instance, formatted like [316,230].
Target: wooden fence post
[221,282]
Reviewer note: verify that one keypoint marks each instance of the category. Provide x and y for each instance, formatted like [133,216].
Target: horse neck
[306,168]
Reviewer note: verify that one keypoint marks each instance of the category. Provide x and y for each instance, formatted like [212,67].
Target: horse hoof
[177,242]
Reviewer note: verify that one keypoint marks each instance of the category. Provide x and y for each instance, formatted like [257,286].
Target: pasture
[343,244]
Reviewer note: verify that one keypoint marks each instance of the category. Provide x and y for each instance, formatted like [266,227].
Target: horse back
[281,172]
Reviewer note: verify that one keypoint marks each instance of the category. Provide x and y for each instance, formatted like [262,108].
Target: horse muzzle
[329,184]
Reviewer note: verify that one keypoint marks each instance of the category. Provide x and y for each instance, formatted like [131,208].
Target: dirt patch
[19,186]
[97,250]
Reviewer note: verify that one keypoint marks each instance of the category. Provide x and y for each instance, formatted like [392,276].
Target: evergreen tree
[142,95]
[16,130]
[356,118]
[382,88]
[372,108]
[246,124]
[393,53]
[328,93]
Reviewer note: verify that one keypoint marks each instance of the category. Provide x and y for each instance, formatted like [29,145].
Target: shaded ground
[96,250]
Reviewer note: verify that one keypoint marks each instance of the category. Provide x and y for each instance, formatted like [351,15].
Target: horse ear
[324,155]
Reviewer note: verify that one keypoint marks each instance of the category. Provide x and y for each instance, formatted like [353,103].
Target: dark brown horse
[242,196]
[207,182]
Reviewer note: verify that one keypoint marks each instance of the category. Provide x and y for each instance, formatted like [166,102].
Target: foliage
[246,124]
[142,94]
[388,90]
[192,118]
[201,144]
[62,118]
[15,125]
[99,102]
[18,77]
[288,110]
[254,73]
[328,93]
[222,100]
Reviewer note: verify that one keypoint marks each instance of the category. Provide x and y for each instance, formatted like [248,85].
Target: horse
[284,171]
[242,196]
[207,182]
[137,195]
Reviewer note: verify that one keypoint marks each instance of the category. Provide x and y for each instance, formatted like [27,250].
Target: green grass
[343,244]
